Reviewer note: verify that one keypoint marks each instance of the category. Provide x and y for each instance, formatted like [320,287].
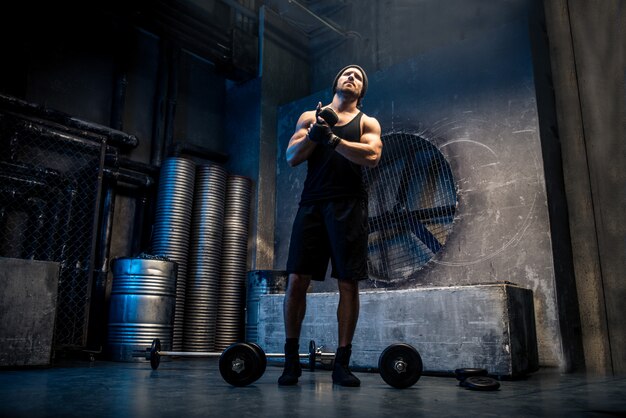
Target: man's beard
[347,94]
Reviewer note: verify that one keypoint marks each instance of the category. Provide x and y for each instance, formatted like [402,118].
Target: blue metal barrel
[142,305]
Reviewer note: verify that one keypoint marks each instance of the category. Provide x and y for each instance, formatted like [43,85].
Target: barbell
[241,364]
[154,353]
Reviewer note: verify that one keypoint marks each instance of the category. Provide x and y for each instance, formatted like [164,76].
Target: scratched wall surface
[475,100]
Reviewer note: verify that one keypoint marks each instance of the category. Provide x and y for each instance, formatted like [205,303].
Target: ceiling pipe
[325,22]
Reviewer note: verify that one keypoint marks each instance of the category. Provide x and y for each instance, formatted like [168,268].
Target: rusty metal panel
[28,300]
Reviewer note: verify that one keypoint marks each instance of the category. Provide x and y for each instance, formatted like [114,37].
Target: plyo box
[490,326]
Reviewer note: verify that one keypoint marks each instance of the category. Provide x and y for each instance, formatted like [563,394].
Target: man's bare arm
[300,148]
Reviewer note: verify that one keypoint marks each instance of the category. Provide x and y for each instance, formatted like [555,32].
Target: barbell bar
[241,364]
[154,354]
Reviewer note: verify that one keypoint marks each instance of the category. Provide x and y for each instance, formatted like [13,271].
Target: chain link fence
[49,194]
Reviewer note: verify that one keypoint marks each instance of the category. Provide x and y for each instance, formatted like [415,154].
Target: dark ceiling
[224,32]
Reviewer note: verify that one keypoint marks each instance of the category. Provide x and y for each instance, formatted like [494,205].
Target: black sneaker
[291,372]
[341,373]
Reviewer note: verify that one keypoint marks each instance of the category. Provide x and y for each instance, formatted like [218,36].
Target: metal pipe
[44,131]
[325,22]
[93,289]
[27,121]
[216,355]
[106,227]
[97,318]
[128,176]
[116,137]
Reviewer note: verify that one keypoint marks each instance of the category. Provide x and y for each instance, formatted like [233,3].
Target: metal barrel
[261,282]
[143,301]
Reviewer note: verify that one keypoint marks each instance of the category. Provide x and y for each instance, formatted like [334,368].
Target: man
[336,141]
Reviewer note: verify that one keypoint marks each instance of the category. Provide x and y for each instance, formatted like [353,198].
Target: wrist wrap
[334,141]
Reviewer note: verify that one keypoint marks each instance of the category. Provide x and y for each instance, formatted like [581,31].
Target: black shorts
[335,230]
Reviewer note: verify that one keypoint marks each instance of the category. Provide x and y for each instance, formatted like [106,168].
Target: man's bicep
[371,132]
[305,120]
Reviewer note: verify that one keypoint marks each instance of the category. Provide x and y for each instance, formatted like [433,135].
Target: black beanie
[363,90]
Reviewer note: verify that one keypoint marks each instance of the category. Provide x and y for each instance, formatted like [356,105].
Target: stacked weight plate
[171,230]
[230,317]
[205,255]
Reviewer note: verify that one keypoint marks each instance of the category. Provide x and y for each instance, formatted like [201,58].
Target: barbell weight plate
[312,349]
[262,356]
[240,364]
[400,365]
[155,357]
[462,374]
[481,383]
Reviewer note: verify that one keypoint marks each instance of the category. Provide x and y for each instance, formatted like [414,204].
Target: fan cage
[412,202]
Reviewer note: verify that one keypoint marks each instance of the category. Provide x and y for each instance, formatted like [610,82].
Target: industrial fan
[412,202]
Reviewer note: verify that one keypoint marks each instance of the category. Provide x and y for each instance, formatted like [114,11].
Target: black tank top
[329,174]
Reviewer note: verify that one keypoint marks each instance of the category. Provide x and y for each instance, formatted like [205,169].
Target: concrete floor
[194,388]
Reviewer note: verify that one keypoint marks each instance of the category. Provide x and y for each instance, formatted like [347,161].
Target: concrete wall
[587,59]
[475,100]
[199,117]
[391,31]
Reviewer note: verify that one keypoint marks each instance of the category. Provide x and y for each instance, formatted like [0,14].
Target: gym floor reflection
[194,388]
